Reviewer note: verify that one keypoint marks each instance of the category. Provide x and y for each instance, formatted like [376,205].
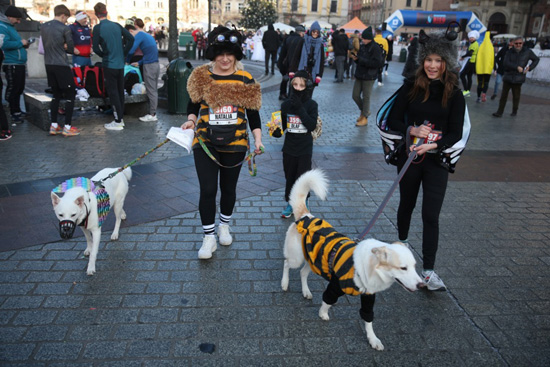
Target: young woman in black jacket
[429,107]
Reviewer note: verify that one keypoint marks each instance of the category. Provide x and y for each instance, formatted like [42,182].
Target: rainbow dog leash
[250,158]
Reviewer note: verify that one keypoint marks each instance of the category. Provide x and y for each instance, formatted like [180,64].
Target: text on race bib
[224,115]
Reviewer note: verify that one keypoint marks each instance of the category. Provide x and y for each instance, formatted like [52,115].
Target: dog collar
[84,223]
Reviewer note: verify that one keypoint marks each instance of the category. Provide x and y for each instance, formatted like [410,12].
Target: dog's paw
[284,284]
[323,314]
[307,294]
[376,344]
[87,252]
[90,271]
[114,236]
[123,215]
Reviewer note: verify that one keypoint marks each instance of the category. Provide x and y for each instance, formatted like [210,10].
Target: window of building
[500,3]
[194,4]
[408,3]
[418,3]
[227,7]
[241,7]
[146,4]
[294,5]
[160,5]
[314,5]
[333,6]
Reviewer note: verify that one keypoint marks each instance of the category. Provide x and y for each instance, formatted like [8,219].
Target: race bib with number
[432,137]
[294,125]
[224,115]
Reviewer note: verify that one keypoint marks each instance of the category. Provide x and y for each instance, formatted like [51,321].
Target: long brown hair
[422,84]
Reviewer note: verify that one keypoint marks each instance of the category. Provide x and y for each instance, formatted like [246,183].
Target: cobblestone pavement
[152,303]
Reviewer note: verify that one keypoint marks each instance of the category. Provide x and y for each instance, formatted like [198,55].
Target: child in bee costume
[299,118]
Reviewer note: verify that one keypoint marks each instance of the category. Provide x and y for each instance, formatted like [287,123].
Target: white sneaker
[386,73]
[433,281]
[380,84]
[224,235]
[149,118]
[208,246]
[122,122]
[113,125]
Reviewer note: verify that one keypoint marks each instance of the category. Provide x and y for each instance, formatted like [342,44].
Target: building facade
[295,12]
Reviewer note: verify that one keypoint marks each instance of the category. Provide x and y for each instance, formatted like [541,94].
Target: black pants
[273,55]
[60,79]
[15,80]
[294,167]
[433,178]
[482,83]
[516,94]
[283,91]
[207,172]
[466,75]
[114,86]
[3,118]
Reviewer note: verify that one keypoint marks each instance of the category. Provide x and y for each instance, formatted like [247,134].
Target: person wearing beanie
[430,107]
[82,39]
[369,60]
[517,63]
[469,59]
[299,118]
[15,60]
[312,56]
[292,46]
[58,41]
[224,101]
[112,43]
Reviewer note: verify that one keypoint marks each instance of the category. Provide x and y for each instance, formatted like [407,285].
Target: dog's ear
[381,254]
[79,201]
[55,199]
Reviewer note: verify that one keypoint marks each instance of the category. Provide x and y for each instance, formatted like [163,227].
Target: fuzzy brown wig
[202,87]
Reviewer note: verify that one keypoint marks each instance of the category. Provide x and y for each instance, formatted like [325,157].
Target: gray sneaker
[432,281]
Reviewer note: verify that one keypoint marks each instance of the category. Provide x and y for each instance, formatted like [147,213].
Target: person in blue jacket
[112,43]
[15,60]
[150,64]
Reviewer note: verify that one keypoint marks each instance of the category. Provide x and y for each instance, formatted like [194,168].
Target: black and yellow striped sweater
[237,97]
[329,253]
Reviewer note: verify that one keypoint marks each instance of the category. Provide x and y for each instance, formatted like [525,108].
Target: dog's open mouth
[403,285]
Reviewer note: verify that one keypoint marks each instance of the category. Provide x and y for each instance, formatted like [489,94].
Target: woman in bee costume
[224,101]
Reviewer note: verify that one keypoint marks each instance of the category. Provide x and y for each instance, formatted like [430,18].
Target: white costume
[259,52]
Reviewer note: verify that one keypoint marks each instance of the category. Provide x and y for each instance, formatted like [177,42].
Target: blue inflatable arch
[429,19]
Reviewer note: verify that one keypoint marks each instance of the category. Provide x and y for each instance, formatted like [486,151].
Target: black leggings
[15,79]
[482,83]
[466,75]
[433,178]
[114,86]
[207,171]
[60,78]
[3,118]
[294,167]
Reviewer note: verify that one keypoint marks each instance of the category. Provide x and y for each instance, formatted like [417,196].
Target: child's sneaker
[287,212]
[113,125]
[56,130]
[478,100]
[208,247]
[5,135]
[432,281]
[483,97]
[72,131]
[466,93]
[224,235]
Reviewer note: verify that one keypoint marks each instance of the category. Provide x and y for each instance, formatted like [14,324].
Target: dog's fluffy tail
[314,180]
[128,173]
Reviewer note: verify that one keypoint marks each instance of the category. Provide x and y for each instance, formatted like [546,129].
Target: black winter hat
[13,12]
[222,39]
[302,74]
[367,34]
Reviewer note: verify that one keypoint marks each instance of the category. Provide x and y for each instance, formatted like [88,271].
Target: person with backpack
[429,107]
[57,39]
[82,39]
[112,43]
[383,43]
[150,63]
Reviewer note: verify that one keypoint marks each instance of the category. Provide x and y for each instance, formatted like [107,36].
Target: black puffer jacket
[513,59]
[270,40]
[369,60]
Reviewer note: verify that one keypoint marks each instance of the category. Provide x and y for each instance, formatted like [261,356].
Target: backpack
[394,141]
[132,76]
[94,82]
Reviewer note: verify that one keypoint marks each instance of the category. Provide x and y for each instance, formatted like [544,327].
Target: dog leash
[113,174]
[250,158]
[391,191]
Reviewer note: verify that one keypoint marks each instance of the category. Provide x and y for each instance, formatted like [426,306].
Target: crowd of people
[225,100]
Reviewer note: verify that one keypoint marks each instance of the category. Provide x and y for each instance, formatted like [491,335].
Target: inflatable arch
[413,18]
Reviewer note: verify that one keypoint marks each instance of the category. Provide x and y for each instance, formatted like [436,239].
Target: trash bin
[191,50]
[403,55]
[184,38]
[177,74]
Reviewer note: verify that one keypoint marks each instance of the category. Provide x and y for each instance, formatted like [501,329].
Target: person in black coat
[291,46]
[340,45]
[270,41]
[517,62]
[499,67]
[411,64]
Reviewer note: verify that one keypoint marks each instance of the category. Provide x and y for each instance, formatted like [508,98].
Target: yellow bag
[275,123]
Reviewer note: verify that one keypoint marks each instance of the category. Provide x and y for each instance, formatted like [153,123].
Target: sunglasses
[222,38]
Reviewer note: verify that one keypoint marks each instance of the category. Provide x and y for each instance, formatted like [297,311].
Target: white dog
[363,268]
[88,210]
